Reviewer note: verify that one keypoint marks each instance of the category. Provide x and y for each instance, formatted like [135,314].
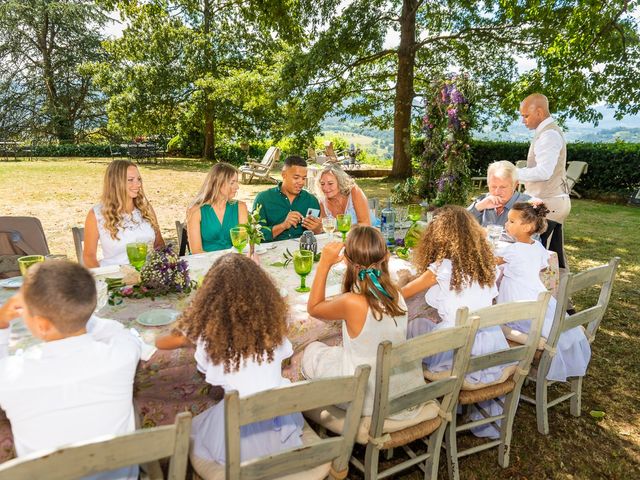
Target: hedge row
[613,167]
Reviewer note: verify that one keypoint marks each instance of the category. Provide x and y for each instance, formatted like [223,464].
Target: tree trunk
[209,134]
[404,92]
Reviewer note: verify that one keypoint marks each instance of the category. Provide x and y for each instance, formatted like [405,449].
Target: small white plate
[13,282]
[157,317]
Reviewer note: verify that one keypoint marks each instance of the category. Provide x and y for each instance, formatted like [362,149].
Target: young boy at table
[78,384]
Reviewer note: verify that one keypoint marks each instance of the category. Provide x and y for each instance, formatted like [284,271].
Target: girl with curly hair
[240,345]
[457,269]
[371,310]
[215,211]
[123,216]
[521,264]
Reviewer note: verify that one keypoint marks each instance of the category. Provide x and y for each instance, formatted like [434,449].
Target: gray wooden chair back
[101,455]
[25,234]
[459,340]
[78,242]
[183,239]
[589,318]
[574,172]
[298,397]
[498,315]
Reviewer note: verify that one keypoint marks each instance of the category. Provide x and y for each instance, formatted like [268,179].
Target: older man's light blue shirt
[489,216]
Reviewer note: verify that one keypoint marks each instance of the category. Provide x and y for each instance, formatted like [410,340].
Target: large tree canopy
[208,65]
[42,45]
[585,52]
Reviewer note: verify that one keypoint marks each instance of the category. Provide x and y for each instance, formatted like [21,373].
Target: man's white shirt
[547,151]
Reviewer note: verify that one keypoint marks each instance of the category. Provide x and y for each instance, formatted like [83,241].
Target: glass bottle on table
[388,224]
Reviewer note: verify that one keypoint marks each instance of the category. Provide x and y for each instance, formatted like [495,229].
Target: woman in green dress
[214,211]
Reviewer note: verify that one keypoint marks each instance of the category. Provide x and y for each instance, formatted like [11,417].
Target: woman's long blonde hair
[114,198]
[366,249]
[209,192]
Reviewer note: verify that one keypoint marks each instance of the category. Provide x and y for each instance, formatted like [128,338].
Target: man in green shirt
[285,207]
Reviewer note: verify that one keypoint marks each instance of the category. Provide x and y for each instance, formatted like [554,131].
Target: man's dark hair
[295,161]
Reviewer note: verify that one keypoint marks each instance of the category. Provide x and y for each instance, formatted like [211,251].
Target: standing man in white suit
[545,176]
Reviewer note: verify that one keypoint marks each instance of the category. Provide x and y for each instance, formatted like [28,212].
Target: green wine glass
[414,212]
[239,238]
[303,263]
[344,225]
[137,254]
[25,262]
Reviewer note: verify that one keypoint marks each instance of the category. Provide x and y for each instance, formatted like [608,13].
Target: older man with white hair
[493,208]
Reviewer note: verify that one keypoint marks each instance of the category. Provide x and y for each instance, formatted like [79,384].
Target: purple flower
[126,291]
[444,180]
[399,242]
[457,97]
[454,122]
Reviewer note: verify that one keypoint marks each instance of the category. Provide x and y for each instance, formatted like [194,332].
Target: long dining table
[169,383]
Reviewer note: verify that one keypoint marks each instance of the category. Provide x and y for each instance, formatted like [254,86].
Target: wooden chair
[333,157]
[574,172]
[260,169]
[317,457]
[590,317]
[101,455]
[522,354]
[78,242]
[183,240]
[315,156]
[378,432]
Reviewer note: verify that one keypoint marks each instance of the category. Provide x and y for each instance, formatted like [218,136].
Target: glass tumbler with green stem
[344,225]
[239,238]
[137,254]
[303,263]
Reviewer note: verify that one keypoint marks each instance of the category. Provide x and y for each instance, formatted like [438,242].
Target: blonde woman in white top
[123,216]
[339,194]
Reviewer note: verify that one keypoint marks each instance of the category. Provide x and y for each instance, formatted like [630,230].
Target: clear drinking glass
[344,225]
[493,234]
[239,238]
[329,225]
[303,263]
[137,254]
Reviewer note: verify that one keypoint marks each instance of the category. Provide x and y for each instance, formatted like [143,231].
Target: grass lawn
[61,191]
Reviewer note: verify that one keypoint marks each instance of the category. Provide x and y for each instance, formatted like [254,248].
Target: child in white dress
[521,264]
[457,269]
[371,310]
[240,345]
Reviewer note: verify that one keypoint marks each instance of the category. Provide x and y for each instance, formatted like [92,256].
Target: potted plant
[254,227]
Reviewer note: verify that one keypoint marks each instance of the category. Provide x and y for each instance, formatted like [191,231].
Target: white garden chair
[260,169]
[589,318]
[436,401]
[102,455]
[574,172]
[317,458]
[510,388]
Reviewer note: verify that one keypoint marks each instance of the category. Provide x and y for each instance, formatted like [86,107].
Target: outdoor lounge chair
[574,172]
[315,156]
[333,157]
[261,169]
[20,236]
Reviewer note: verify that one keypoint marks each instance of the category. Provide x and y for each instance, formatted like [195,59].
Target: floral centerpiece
[255,226]
[162,274]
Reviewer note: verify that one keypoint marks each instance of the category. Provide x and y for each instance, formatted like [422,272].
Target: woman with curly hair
[214,211]
[339,194]
[457,269]
[123,216]
[371,311]
[240,345]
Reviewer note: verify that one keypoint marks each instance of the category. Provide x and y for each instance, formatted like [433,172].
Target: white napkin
[105,270]
[147,350]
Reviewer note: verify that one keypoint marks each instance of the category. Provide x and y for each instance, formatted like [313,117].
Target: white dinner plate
[13,282]
[157,317]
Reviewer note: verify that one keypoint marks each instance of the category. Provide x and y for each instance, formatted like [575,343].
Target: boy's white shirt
[71,390]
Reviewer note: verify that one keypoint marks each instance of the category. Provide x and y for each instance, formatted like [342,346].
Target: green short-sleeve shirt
[276,206]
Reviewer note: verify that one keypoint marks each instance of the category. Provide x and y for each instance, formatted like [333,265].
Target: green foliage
[69,150]
[613,167]
[44,91]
